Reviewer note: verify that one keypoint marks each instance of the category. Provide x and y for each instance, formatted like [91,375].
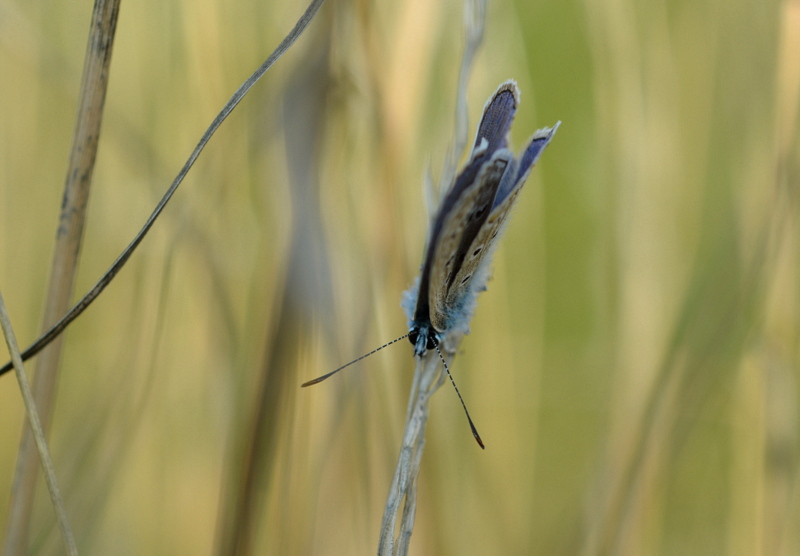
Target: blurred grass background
[633,367]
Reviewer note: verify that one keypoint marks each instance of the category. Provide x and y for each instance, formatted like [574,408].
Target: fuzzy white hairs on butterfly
[464,232]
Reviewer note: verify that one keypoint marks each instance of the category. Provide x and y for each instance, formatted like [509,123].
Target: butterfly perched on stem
[464,232]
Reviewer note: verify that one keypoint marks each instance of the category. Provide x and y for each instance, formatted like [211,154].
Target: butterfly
[464,231]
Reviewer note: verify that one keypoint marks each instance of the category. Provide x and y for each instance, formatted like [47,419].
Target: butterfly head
[423,337]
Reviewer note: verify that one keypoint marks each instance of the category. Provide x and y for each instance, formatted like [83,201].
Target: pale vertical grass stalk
[37,431]
[65,258]
[474,23]
[428,376]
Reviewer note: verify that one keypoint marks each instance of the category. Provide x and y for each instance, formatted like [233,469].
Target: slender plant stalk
[38,433]
[427,376]
[474,24]
[65,259]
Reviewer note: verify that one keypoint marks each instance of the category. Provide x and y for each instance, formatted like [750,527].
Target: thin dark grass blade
[117,265]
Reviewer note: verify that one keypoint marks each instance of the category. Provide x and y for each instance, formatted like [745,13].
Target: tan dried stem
[36,429]
[428,377]
[65,257]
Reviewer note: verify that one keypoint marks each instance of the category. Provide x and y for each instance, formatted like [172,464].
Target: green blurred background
[632,368]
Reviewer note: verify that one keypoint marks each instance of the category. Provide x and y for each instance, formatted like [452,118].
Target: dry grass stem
[474,24]
[428,377]
[38,434]
[65,257]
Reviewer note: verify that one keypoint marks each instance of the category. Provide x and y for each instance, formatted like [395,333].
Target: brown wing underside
[453,262]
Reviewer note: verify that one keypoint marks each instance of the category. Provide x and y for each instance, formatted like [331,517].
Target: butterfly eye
[413,335]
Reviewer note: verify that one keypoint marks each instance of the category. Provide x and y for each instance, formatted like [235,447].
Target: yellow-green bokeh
[632,368]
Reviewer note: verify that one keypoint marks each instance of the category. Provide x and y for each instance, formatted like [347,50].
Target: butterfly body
[470,218]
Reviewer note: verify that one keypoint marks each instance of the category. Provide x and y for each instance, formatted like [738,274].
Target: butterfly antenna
[323,377]
[453,382]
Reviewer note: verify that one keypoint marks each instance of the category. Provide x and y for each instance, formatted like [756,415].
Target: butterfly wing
[450,226]
[498,115]
[460,226]
[527,161]
[466,193]
[472,272]
[471,216]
